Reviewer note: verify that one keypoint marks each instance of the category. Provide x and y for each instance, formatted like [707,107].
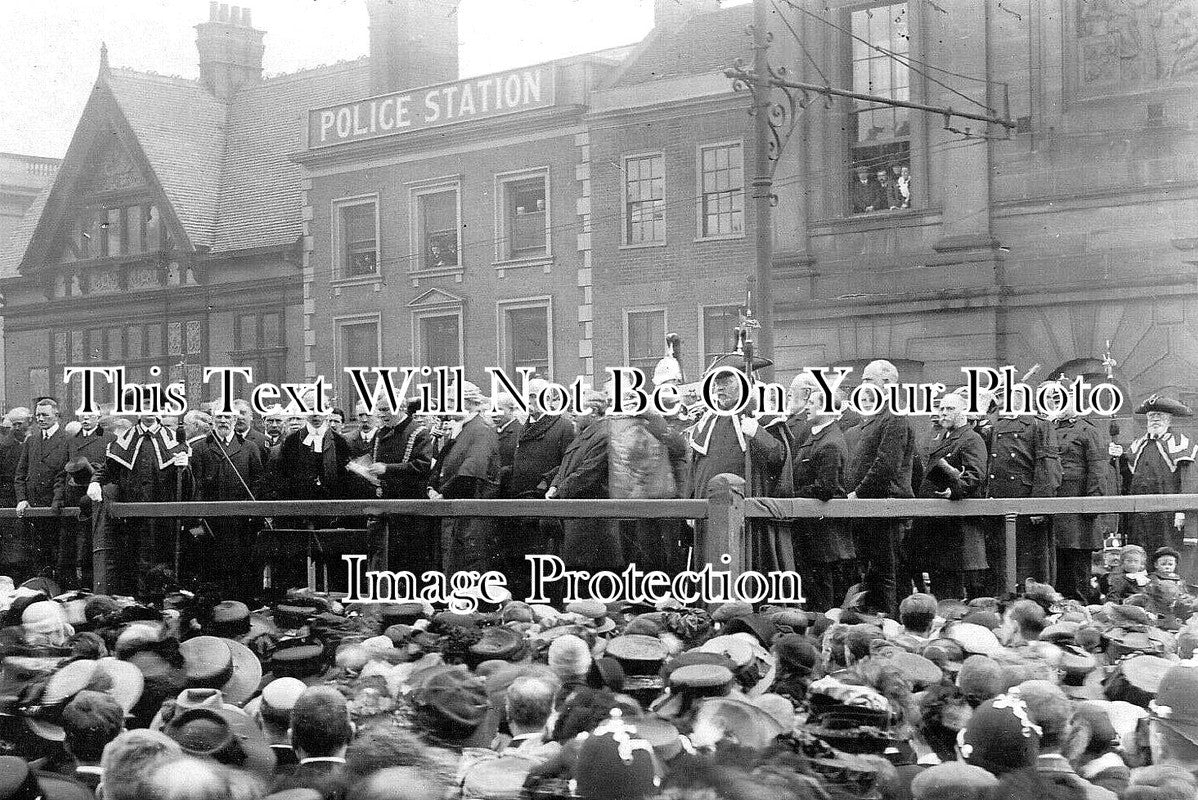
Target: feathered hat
[669,369]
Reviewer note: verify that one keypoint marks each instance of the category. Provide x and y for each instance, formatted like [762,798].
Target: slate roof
[704,43]
[180,126]
[224,166]
[259,202]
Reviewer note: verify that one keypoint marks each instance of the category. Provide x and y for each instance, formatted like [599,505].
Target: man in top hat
[731,444]
[226,468]
[1162,462]
[880,466]
[401,450]
[467,468]
[86,450]
[140,466]
[43,455]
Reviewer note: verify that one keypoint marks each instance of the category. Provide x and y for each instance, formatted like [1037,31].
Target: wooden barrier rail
[726,512]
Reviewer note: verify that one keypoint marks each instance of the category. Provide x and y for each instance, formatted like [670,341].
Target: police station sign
[444,104]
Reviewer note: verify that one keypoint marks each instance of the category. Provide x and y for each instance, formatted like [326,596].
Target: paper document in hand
[361,466]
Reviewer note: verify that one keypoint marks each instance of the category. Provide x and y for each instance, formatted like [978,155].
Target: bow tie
[1152,437]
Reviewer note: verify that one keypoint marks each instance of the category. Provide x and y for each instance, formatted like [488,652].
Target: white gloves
[93,492]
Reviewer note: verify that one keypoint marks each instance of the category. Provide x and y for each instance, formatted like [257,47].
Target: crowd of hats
[652,696]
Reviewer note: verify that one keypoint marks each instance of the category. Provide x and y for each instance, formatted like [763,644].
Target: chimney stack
[230,50]
[673,14]
[412,43]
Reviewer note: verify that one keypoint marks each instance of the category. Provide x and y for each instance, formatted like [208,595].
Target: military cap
[702,678]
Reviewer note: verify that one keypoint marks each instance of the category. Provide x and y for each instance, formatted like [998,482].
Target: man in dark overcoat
[311,462]
[823,546]
[12,437]
[540,447]
[140,466]
[952,550]
[1024,462]
[507,427]
[43,455]
[1162,462]
[467,468]
[1085,472]
[227,468]
[402,455]
[879,467]
[90,443]
[588,544]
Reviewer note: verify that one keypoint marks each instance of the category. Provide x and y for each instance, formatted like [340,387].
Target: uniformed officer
[1083,467]
[1024,461]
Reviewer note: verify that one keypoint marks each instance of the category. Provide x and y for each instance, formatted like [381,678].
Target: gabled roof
[223,166]
[180,126]
[704,43]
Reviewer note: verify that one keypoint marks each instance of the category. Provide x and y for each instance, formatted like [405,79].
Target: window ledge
[357,280]
[726,237]
[516,263]
[878,219]
[437,272]
[642,245]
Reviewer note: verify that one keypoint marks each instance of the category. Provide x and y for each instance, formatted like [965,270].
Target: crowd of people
[497,451]
[136,662]
[192,697]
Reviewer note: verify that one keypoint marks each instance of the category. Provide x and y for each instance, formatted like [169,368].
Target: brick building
[444,223]
[566,216]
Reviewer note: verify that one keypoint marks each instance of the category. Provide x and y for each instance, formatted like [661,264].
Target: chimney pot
[224,12]
[212,11]
[245,17]
[235,17]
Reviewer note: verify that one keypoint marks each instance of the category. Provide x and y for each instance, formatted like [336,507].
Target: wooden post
[724,531]
[1009,566]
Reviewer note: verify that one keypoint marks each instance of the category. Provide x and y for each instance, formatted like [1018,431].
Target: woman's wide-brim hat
[215,663]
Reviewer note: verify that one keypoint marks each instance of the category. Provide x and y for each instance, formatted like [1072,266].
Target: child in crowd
[1130,577]
[1168,594]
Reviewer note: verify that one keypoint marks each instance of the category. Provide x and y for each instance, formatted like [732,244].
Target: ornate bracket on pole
[782,115]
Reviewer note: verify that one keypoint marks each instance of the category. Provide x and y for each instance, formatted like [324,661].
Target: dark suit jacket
[39,465]
[217,477]
[304,475]
[881,464]
[819,473]
[404,477]
[952,543]
[583,473]
[539,451]
[10,456]
[93,447]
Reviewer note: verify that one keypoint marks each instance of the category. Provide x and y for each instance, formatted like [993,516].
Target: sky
[51,48]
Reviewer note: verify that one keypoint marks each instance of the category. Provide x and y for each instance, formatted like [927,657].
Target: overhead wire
[904,60]
[576,225]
